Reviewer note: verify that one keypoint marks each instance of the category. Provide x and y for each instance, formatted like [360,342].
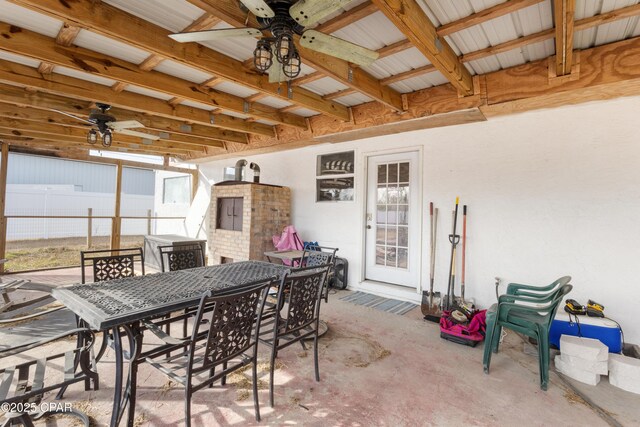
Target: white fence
[62,200]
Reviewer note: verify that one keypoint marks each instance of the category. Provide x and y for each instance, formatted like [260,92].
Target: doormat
[379,303]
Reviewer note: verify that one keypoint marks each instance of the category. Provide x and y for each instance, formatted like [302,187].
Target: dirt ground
[25,255]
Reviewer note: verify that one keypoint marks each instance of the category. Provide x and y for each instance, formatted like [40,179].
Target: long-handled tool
[454,239]
[464,249]
[430,300]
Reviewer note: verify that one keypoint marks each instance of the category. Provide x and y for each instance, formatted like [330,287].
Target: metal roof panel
[324,86]
[373,32]
[83,76]
[19,59]
[99,43]
[419,82]
[174,15]
[182,71]
[25,18]
[148,92]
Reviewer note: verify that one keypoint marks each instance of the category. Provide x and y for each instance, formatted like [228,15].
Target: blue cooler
[598,328]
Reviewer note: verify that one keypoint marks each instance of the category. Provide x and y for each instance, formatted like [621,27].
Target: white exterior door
[392,219]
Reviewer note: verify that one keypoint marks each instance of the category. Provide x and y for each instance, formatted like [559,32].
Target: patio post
[194,183]
[89,227]
[116,221]
[4,161]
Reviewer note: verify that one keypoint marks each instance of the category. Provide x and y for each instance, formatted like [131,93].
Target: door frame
[363,218]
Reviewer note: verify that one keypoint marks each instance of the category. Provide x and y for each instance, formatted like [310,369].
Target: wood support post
[148,222]
[4,162]
[194,183]
[89,227]
[116,222]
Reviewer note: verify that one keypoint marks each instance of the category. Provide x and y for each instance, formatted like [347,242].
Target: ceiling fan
[106,124]
[276,53]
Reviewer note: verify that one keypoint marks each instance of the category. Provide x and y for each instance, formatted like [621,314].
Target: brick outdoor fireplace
[244,217]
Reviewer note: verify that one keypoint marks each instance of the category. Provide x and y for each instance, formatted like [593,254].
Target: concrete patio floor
[376,368]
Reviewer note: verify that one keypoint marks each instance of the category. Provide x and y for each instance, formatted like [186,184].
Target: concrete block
[624,372]
[593,366]
[575,373]
[584,348]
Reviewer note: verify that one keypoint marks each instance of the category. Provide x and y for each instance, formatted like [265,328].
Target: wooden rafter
[57,130]
[338,69]
[416,26]
[485,15]
[43,101]
[53,118]
[37,46]
[563,12]
[58,84]
[117,24]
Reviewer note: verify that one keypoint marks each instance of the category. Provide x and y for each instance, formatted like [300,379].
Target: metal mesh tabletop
[107,304]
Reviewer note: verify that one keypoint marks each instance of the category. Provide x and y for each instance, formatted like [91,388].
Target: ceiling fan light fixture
[107,138]
[92,136]
[262,56]
[284,46]
[292,66]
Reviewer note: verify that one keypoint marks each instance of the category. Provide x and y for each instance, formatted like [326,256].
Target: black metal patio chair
[181,256]
[229,339]
[110,264]
[297,320]
[314,255]
[22,386]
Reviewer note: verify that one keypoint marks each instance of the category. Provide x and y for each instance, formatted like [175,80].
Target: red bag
[470,333]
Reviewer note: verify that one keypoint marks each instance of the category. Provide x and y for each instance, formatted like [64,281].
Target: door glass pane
[381,215]
[393,173]
[382,174]
[403,214]
[404,172]
[382,194]
[403,236]
[380,231]
[402,258]
[391,256]
[392,236]
[379,255]
[392,214]
[403,194]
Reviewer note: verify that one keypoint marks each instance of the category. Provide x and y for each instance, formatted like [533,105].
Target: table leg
[122,395]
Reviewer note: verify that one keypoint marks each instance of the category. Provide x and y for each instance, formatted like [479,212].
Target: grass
[25,255]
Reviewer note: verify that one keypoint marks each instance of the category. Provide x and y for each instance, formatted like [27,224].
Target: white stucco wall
[550,193]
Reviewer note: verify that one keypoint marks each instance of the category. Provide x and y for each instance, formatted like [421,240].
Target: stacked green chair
[528,310]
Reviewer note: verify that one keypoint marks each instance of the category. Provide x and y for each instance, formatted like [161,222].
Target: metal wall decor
[335,177]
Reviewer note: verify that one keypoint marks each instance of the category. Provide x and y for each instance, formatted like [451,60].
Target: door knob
[368,227]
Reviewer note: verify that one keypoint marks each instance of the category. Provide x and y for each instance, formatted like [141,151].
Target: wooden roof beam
[411,20]
[20,75]
[338,69]
[37,46]
[347,18]
[75,132]
[563,13]
[43,101]
[485,15]
[112,22]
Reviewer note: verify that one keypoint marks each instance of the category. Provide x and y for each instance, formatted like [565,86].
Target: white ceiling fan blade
[308,12]
[276,75]
[139,134]
[209,35]
[125,124]
[259,8]
[339,48]
[73,116]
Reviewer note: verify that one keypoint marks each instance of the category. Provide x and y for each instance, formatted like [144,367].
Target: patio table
[120,305]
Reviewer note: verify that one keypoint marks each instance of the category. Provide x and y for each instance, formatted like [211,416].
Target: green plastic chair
[531,320]
[543,293]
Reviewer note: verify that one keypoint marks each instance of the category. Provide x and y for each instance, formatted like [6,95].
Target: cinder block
[575,373]
[584,348]
[624,372]
[593,366]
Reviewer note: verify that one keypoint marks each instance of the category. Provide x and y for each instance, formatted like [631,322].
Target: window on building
[177,190]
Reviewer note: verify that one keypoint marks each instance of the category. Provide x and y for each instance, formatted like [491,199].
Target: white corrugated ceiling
[374,31]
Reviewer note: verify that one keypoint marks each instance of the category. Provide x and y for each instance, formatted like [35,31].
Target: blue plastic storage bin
[598,328]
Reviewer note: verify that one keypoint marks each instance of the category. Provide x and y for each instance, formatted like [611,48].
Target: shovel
[431,300]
